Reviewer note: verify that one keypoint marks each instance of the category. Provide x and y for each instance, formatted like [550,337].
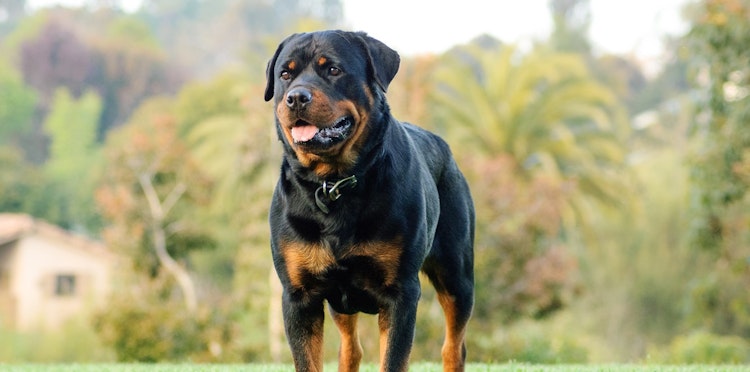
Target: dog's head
[325,86]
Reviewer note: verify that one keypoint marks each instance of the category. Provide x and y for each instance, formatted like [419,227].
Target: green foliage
[522,267]
[233,141]
[718,300]
[16,105]
[74,152]
[146,329]
[528,344]
[545,147]
[637,280]
[17,181]
[129,29]
[148,147]
[721,37]
[127,72]
[578,219]
[705,348]
[544,109]
[27,189]
[199,101]
[720,43]
[54,346]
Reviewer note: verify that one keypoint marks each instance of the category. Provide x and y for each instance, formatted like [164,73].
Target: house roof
[13,227]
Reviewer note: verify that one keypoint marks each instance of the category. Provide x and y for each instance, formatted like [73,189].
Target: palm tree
[542,108]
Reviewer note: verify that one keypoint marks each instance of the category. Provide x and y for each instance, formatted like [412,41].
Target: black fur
[410,209]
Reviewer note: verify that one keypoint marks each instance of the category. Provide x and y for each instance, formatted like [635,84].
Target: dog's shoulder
[425,145]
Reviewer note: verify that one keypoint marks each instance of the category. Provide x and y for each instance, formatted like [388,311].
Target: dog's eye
[334,71]
[285,75]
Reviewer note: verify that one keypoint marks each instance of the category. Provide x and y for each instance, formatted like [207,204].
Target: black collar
[330,192]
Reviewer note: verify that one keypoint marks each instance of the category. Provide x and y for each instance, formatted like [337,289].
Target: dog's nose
[298,98]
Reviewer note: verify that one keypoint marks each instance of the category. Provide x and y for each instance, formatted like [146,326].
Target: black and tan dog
[364,202]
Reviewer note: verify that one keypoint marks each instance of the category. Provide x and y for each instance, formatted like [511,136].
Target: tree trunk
[158,210]
[175,269]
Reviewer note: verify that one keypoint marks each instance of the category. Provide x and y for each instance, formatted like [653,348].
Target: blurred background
[606,144]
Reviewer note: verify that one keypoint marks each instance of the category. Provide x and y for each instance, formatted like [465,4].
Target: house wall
[39,260]
[7,300]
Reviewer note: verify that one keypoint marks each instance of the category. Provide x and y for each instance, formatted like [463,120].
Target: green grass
[416,367]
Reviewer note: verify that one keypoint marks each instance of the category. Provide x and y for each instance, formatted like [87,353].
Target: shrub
[53,346]
[705,348]
[155,331]
[529,343]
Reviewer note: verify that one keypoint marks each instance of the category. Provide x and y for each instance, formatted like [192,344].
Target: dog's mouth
[310,135]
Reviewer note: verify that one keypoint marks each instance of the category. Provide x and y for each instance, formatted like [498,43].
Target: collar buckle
[332,192]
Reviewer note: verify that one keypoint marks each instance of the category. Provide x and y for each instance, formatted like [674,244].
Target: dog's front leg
[303,321]
[396,321]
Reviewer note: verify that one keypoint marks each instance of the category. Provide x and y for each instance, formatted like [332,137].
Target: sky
[418,26]
[414,27]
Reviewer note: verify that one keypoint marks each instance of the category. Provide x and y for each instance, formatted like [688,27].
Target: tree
[545,153]
[74,156]
[408,92]
[543,109]
[129,67]
[239,29]
[571,20]
[123,63]
[624,77]
[18,182]
[56,57]
[230,132]
[200,101]
[149,191]
[672,81]
[16,107]
[719,42]
[522,265]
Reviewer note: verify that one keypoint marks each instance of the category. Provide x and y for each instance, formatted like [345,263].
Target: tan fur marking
[292,65]
[314,349]
[454,335]
[322,61]
[304,258]
[384,324]
[386,254]
[336,160]
[350,352]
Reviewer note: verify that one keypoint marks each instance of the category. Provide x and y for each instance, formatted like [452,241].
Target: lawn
[416,367]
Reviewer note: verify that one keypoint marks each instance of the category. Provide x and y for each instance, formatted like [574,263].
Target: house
[48,275]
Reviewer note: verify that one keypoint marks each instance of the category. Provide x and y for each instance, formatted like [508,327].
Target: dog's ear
[270,78]
[269,74]
[383,62]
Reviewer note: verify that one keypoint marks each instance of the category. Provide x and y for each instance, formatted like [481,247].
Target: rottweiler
[362,204]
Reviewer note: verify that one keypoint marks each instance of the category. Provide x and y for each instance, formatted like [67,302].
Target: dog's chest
[349,277]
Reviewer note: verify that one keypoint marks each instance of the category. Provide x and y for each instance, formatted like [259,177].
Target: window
[65,285]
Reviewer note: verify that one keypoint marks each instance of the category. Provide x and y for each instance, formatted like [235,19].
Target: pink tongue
[304,133]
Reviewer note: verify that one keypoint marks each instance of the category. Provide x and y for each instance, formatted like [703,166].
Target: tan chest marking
[304,258]
[386,255]
[316,258]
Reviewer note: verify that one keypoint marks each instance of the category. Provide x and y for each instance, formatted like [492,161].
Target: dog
[362,205]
